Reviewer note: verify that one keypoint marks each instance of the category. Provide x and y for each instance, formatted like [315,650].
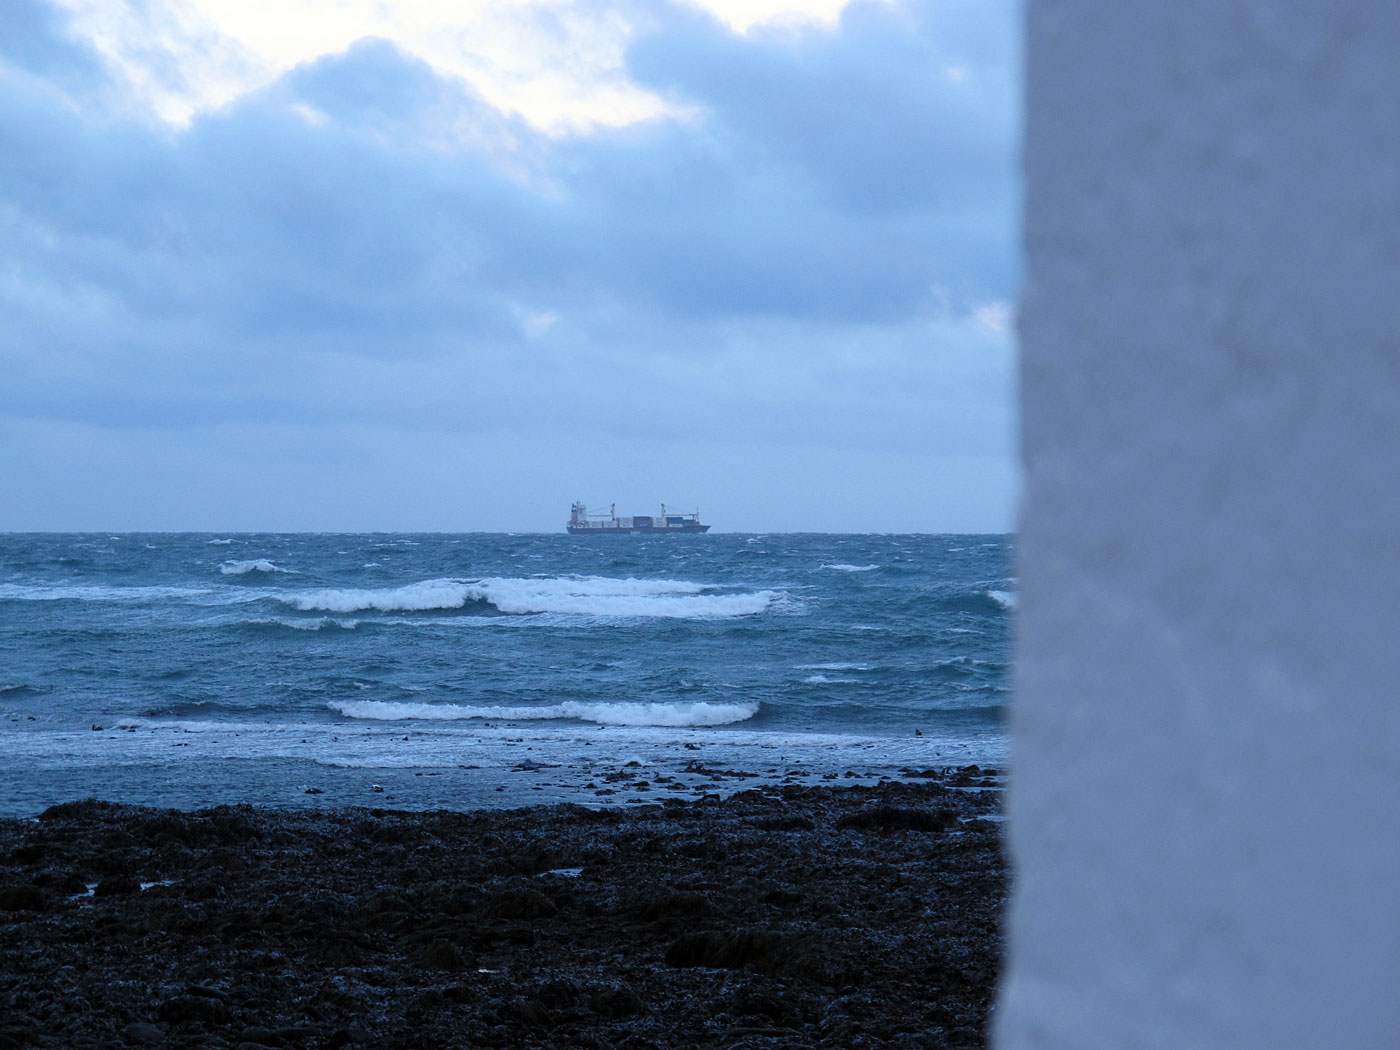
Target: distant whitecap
[240,568]
[699,713]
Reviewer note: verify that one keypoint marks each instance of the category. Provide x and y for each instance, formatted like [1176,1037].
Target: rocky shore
[783,916]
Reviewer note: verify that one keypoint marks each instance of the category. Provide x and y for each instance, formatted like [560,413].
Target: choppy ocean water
[441,670]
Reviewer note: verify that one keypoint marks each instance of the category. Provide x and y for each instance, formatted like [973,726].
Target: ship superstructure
[581,523]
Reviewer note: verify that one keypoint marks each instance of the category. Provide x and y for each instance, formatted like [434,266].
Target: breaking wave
[852,568]
[1009,600]
[580,596]
[320,623]
[240,568]
[700,713]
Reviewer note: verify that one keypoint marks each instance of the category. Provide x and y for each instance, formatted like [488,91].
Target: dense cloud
[802,268]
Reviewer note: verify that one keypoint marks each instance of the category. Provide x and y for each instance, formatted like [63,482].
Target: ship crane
[669,521]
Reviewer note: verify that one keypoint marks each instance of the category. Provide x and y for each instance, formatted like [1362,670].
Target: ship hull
[634,530]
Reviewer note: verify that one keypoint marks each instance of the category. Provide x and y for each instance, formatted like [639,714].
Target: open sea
[458,671]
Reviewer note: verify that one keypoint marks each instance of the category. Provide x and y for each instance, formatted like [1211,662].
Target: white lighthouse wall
[1205,801]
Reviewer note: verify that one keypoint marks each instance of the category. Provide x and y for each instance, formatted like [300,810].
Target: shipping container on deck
[581,523]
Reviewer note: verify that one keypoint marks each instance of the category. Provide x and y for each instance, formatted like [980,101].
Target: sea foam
[699,713]
[851,568]
[240,568]
[1008,600]
[591,596]
[320,623]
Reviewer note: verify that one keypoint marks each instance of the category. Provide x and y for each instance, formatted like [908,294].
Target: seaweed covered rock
[827,918]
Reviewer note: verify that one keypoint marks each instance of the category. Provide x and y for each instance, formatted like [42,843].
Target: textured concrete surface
[1205,803]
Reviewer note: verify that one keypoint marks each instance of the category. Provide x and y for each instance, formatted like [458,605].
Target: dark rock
[28,854]
[434,929]
[724,950]
[143,1033]
[528,1012]
[67,884]
[896,818]
[22,898]
[773,952]
[233,825]
[351,1035]
[615,1002]
[783,898]
[185,1008]
[785,824]
[205,890]
[442,955]
[87,809]
[519,904]
[119,885]
[673,905]
[750,1002]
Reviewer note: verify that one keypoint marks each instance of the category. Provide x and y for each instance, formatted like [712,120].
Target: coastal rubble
[783,916]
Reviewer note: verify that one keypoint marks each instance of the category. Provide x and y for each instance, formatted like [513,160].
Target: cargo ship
[581,523]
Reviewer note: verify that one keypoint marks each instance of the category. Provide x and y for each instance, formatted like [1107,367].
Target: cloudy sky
[451,264]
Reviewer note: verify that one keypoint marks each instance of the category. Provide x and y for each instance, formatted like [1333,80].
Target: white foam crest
[240,568]
[833,667]
[699,713]
[521,596]
[821,679]
[213,543]
[1006,599]
[604,585]
[590,596]
[851,568]
[318,624]
[416,597]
